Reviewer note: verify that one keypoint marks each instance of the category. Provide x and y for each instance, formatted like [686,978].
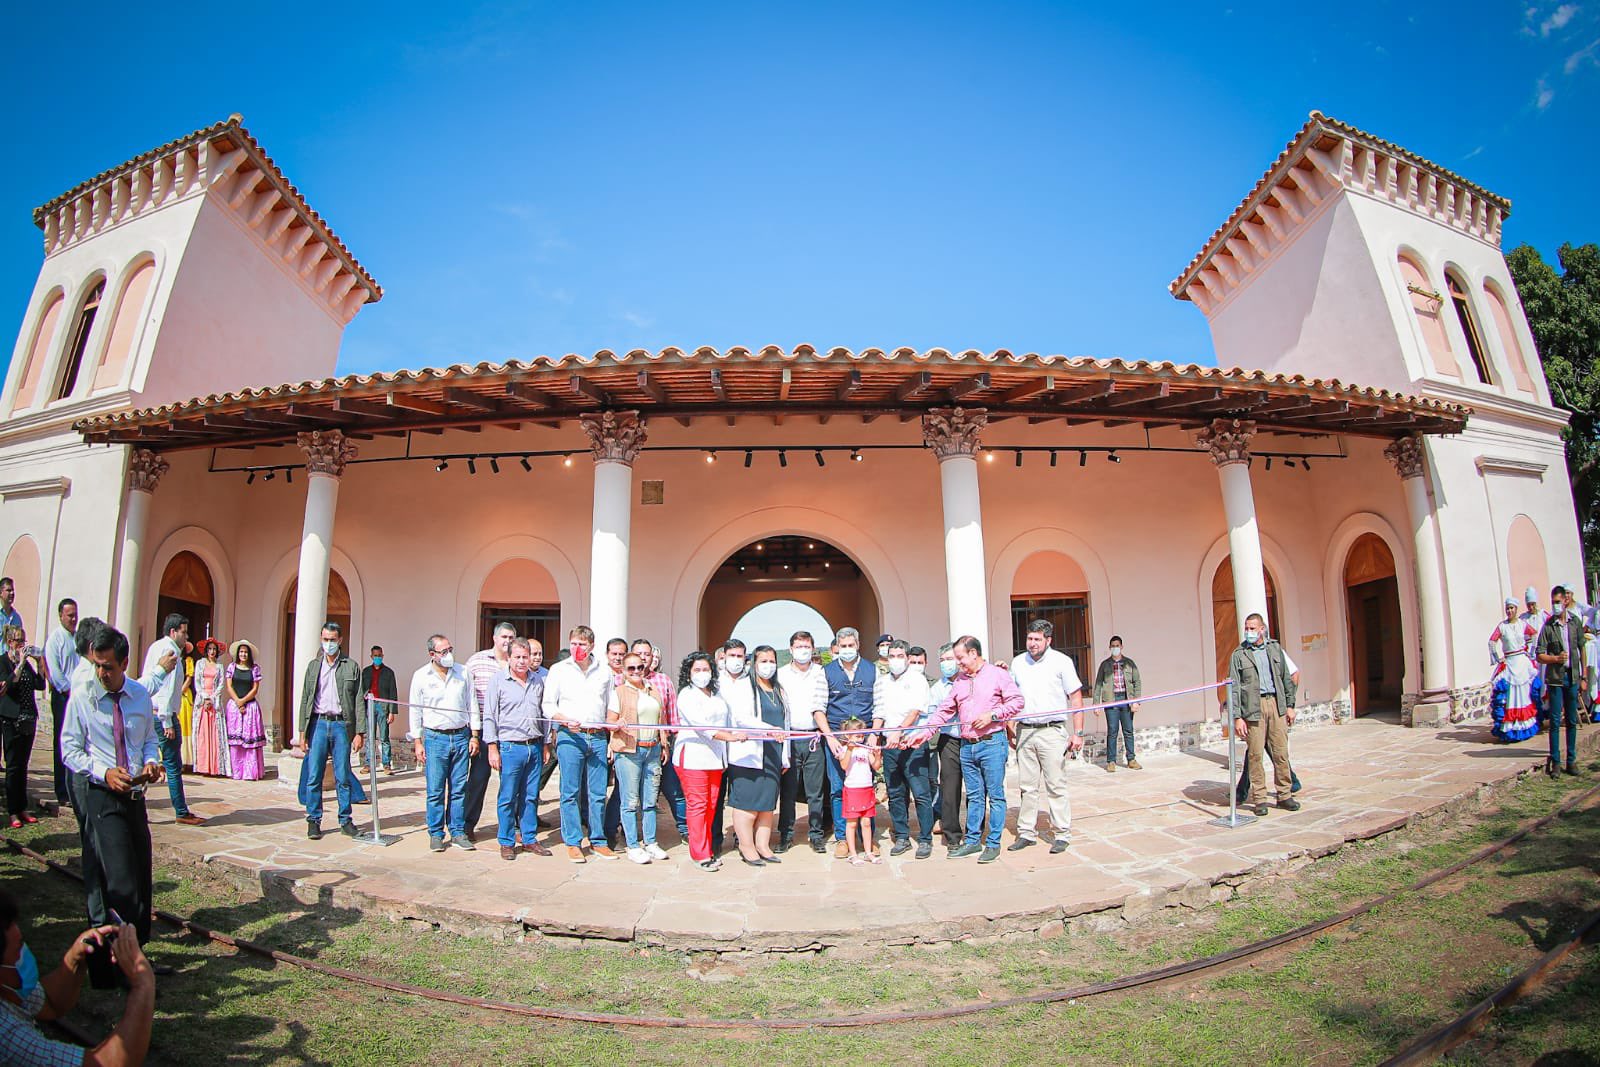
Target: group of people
[739,731]
[1546,672]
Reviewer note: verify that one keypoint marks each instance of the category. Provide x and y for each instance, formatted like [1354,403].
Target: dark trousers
[58,711]
[949,758]
[1119,720]
[805,775]
[1241,792]
[16,738]
[116,866]
[172,761]
[905,771]
[477,787]
[1563,713]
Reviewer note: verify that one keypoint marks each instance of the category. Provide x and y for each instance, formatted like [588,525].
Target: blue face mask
[377,661]
[948,668]
[849,655]
[27,969]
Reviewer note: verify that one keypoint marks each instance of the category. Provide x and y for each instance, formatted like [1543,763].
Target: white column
[1409,457]
[1228,440]
[953,434]
[145,469]
[615,438]
[327,452]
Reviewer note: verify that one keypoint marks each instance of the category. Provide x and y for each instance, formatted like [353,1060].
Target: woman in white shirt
[755,767]
[701,754]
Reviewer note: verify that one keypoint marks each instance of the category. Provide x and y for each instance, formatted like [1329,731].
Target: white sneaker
[638,855]
[656,851]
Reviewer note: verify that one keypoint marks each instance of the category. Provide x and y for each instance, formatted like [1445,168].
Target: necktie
[119,730]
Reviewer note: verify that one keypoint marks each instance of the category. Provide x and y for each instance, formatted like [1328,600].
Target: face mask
[27,969]
[948,668]
[579,653]
[897,666]
[1252,637]
[765,670]
[447,660]
[1116,653]
[330,648]
[377,661]
[849,655]
[734,665]
[883,653]
[801,656]
[701,679]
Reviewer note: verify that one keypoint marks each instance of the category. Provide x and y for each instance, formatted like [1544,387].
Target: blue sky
[541,178]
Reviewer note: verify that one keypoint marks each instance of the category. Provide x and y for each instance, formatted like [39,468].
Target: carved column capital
[614,436]
[145,470]
[952,432]
[1408,456]
[1228,440]
[327,451]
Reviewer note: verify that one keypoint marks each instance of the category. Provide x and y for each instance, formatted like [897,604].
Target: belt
[457,730]
[981,740]
[646,744]
[584,729]
[521,741]
[1046,722]
[327,715]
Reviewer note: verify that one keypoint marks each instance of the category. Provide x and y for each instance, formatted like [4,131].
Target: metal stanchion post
[1233,818]
[376,837]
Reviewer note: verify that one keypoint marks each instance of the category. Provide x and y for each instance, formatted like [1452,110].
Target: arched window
[125,326]
[38,353]
[1426,304]
[78,342]
[1508,337]
[1469,327]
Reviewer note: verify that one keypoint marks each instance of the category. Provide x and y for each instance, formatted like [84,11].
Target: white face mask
[701,679]
[447,660]
[734,665]
[330,648]
[897,665]
[1116,653]
[801,656]
[765,670]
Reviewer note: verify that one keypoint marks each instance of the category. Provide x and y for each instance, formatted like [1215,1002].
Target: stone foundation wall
[1178,737]
[1470,704]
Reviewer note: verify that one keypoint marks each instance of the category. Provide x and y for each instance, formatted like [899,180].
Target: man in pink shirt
[981,697]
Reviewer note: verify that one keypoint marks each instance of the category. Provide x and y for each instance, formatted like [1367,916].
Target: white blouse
[694,749]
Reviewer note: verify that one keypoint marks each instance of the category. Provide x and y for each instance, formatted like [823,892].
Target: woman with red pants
[700,754]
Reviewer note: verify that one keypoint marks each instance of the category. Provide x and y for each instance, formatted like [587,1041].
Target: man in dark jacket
[328,728]
[1560,650]
[377,680]
[1263,699]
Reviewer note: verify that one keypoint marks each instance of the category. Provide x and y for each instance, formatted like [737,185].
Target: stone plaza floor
[1141,840]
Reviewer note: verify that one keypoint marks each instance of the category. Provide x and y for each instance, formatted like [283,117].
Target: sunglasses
[634,670]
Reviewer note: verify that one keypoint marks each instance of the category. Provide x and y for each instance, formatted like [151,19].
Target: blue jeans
[672,789]
[172,760]
[1119,719]
[518,802]
[325,740]
[906,770]
[983,773]
[1564,708]
[638,781]
[444,755]
[582,759]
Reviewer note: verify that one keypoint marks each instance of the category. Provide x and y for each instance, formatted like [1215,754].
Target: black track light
[711,457]
[250,479]
[783,458]
[1269,463]
[1019,457]
[1306,463]
[271,475]
[1112,457]
[494,464]
[288,475]
[1052,457]
[526,465]
[820,461]
[442,466]
[855,455]
[749,457]
[1083,458]
[472,466]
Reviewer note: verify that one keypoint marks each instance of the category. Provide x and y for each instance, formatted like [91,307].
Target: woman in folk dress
[1515,683]
[209,730]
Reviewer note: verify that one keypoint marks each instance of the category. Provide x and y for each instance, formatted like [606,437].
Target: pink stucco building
[150,459]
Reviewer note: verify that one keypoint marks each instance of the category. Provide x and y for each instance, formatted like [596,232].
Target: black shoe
[818,845]
[783,844]
[161,970]
[924,850]
[989,855]
[1019,844]
[1260,810]
[1288,803]
[313,830]
[349,829]
[1059,845]
[964,850]
[770,859]
[1551,768]
[901,847]
[752,863]
[1571,768]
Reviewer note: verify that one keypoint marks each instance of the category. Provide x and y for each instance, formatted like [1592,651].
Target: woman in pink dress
[208,677]
[246,738]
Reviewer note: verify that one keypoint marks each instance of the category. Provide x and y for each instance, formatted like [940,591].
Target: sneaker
[638,855]
[840,850]
[348,829]
[989,855]
[603,852]
[313,830]
[435,844]
[655,851]
[464,843]
[901,847]
[575,854]
[1020,843]
[964,851]
[1133,765]
[924,850]
[1288,803]
[1059,845]
[818,845]
[712,864]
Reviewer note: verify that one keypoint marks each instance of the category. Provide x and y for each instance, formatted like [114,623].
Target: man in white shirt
[1052,694]
[902,699]
[445,722]
[575,695]
[167,698]
[61,657]
[483,667]
[805,691]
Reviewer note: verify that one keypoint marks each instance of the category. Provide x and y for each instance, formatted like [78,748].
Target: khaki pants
[1042,770]
[1268,735]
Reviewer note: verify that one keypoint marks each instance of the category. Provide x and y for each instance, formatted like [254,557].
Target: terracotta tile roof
[1317,126]
[708,383]
[231,131]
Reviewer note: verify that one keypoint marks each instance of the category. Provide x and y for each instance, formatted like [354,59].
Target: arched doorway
[805,570]
[186,589]
[1226,624]
[523,593]
[1372,602]
[773,622]
[289,673]
[1051,586]
[23,568]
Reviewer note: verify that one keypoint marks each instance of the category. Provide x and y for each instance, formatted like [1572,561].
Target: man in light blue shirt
[9,615]
[61,657]
[167,699]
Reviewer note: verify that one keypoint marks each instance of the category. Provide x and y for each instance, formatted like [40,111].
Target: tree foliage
[1564,313]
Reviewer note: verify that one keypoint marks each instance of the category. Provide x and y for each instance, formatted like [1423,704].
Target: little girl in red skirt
[860,801]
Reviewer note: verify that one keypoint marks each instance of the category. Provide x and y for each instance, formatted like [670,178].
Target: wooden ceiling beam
[1137,395]
[977,383]
[529,395]
[651,387]
[1188,399]
[353,405]
[915,385]
[1073,394]
[849,387]
[323,415]
[1028,388]
[719,388]
[468,399]
[584,387]
[418,404]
